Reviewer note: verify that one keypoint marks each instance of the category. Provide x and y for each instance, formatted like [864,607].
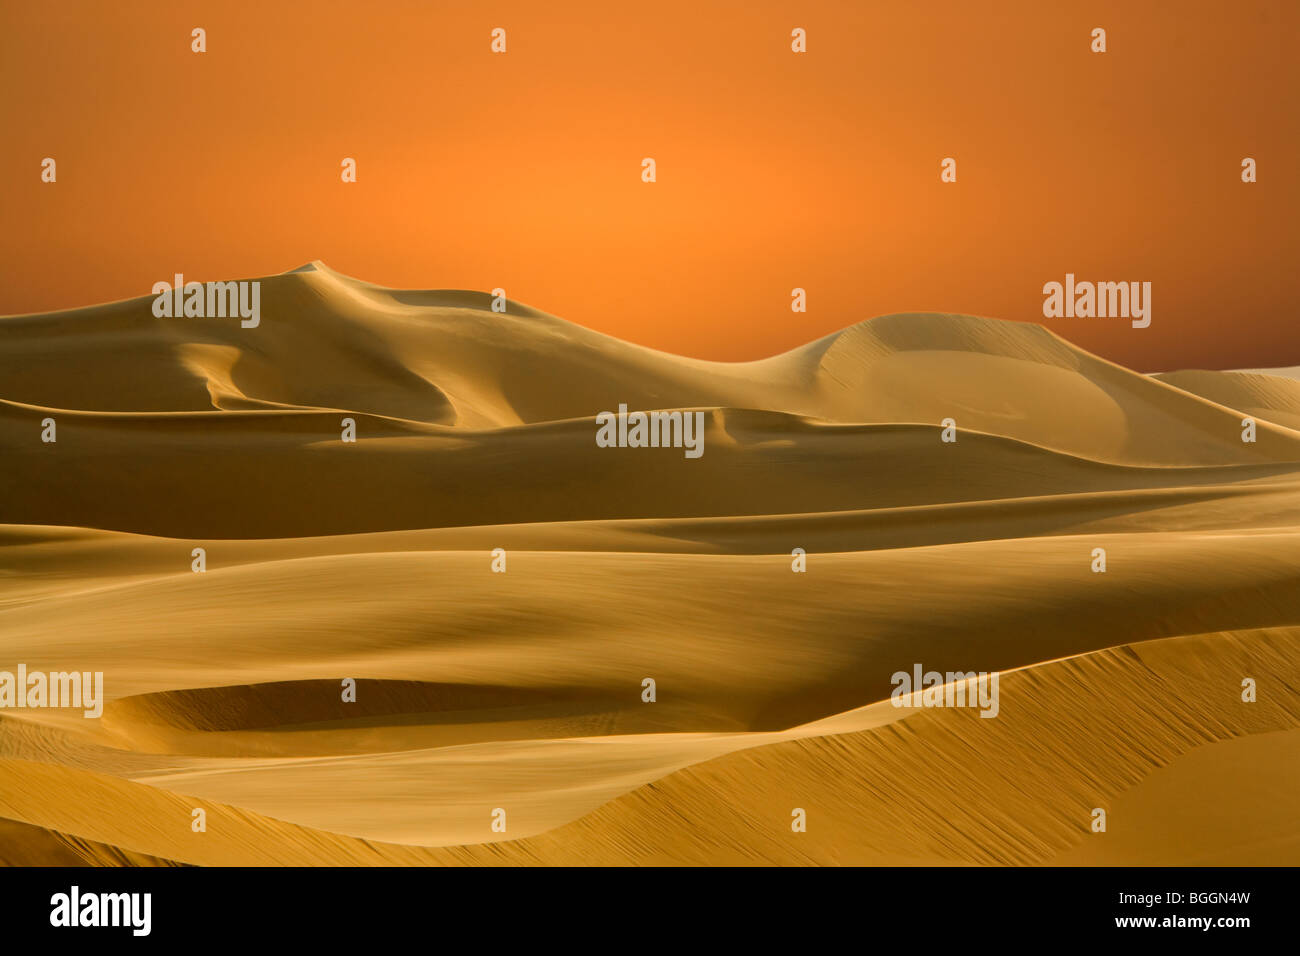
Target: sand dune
[1274,398]
[522,690]
[444,358]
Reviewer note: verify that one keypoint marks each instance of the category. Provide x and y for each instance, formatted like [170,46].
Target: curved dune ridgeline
[372,561]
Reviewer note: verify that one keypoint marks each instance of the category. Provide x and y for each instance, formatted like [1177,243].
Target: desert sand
[522,691]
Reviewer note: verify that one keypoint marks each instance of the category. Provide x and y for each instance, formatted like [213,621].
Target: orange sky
[775,170]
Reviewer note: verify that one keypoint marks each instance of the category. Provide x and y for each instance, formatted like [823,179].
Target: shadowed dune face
[481,686]
[289,703]
[27,845]
[286,474]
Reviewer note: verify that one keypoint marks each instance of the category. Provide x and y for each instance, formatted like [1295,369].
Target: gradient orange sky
[775,170]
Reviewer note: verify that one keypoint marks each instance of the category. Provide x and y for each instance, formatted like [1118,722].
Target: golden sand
[522,690]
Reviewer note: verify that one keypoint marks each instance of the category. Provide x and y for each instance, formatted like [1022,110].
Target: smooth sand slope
[1268,396]
[522,691]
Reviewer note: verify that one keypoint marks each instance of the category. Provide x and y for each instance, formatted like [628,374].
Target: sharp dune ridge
[475,430]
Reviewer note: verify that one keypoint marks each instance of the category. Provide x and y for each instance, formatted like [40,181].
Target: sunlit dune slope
[500,588]
[478,686]
[332,342]
[937,786]
[1274,398]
